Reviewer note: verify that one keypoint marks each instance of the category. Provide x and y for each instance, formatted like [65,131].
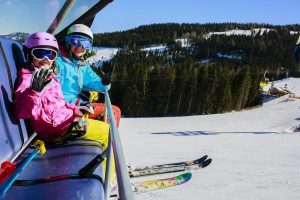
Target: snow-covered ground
[255,153]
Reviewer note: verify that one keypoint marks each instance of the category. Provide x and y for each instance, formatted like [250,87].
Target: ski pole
[8,167]
[39,149]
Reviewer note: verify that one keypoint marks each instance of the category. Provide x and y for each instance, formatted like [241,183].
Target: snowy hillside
[158,48]
[17,36]
[102,54]
[255,154]
[253,32]
[105,54]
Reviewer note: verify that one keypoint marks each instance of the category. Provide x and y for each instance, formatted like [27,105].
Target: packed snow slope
[256,154]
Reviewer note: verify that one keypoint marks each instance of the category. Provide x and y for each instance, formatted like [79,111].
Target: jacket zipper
[78,74]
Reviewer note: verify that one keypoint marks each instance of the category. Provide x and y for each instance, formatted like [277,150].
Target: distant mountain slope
[17,36]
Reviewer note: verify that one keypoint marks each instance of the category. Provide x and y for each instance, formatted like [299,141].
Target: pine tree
[243,84]
[202,82]
[209,94]
[224,94]
[135,92]
[162,85]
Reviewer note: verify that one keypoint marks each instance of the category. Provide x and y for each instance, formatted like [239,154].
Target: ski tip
[186,176]
[199,160]
[206,163]
[203,158]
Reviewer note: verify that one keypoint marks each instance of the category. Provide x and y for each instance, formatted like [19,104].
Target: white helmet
[80,29]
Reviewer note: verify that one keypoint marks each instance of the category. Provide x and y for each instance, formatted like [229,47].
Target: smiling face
[78,51]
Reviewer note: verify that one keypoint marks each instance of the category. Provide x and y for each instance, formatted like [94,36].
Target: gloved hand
[105,72]
[81,110]
[39,79]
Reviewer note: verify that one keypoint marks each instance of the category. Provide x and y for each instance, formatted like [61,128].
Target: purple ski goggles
[79,41]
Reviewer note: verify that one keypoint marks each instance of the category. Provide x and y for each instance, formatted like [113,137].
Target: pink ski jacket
[49,115]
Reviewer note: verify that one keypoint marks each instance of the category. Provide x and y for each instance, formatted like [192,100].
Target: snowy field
[255,153]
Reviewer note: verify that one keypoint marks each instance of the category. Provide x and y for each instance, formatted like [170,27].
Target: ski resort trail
[255,153]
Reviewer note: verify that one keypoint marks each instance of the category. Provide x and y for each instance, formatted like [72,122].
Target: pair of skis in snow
[150,185]
[170,168]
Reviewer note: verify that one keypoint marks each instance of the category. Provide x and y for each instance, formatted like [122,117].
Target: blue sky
[126,14]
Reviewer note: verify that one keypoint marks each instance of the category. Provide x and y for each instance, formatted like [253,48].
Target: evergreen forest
[215,73]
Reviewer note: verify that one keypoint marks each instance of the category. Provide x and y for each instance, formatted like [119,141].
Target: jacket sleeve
[26,101]
[46,106]
[91,81]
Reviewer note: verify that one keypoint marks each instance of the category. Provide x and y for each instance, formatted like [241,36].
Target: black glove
[105,72]
[39,80]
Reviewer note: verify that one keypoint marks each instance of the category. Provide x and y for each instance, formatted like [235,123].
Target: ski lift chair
[60,160]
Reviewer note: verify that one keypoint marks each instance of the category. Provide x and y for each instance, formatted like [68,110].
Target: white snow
[160,48]
[289,84]
[255,154]
[294,32]
[102,54]
[184,42]
[252,32]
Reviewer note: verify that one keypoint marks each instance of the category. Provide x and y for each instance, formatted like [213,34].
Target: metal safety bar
[124,184]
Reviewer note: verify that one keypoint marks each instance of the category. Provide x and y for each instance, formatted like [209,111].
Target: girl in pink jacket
[38,96]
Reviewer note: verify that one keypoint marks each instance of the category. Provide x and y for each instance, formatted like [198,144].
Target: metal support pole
[124,184]
[60,15]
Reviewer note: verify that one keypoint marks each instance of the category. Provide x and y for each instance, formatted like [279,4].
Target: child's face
[44,62]
[78,51]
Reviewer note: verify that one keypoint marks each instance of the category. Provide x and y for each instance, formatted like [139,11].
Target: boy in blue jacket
[76,76]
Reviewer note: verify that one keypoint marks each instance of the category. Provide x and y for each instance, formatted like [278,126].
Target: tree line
[213,75]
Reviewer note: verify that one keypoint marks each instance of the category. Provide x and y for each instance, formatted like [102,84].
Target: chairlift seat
[63,160]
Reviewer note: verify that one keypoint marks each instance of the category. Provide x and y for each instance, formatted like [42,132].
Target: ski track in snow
[255,154]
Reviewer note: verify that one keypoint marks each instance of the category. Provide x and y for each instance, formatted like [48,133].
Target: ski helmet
[80,29]
[41,39]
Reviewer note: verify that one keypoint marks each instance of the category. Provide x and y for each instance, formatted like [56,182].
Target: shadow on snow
[193,133]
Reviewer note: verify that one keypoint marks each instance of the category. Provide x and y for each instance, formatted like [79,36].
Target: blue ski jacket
[75,76]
